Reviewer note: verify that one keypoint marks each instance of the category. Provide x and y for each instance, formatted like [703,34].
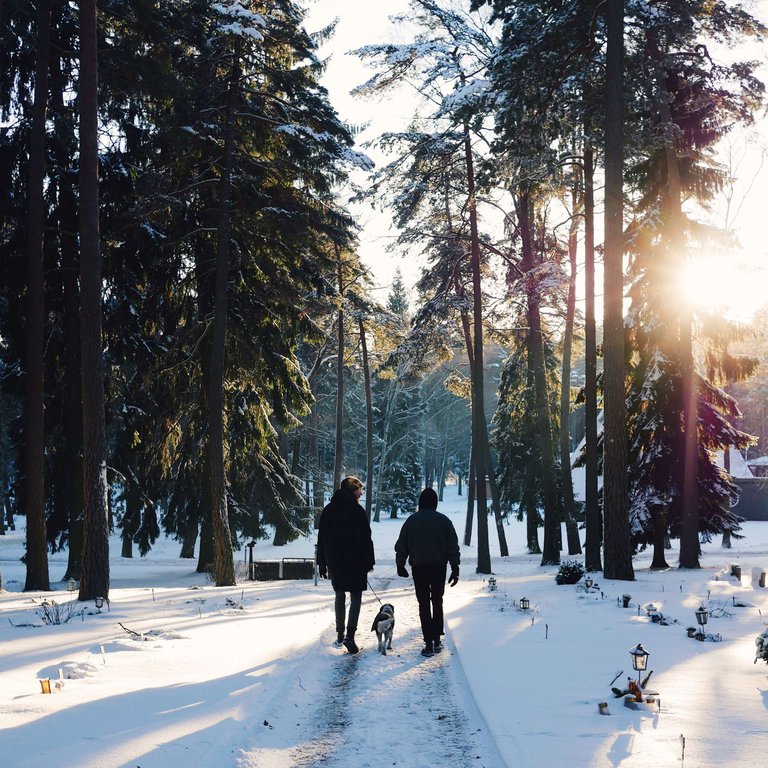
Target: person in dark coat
[429,542]
[345,554]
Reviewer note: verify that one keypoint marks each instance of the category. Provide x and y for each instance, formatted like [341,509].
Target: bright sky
[739,289]
[364,23]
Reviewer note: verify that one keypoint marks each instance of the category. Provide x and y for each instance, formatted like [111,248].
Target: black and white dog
[384,626]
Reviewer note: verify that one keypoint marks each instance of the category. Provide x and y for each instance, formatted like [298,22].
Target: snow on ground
[176,673]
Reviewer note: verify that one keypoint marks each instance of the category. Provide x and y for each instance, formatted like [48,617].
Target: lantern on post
[525,603]
[702,615]
[492,584]
[639,659]
[99,603]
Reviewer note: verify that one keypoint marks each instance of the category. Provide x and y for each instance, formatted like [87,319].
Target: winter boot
[350,645]
[437,645]
[429,649]
[339,639]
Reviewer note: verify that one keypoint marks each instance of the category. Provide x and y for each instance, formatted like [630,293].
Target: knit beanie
[428,499]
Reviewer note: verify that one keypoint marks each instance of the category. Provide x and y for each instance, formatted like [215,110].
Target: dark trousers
[355,600]
[429,582]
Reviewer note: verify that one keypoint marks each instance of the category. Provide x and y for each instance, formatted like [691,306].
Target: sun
[706,284]
[727,284]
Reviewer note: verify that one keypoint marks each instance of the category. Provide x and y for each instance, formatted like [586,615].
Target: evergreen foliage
[694,100]
[569,572]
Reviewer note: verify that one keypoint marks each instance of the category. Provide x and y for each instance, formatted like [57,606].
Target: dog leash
[374,591]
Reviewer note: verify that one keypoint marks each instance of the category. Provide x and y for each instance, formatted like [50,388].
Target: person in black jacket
[428,541]
[345,553]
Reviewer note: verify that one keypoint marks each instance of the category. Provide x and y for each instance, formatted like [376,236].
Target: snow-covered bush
[761,641]
[52,612]
[570,572]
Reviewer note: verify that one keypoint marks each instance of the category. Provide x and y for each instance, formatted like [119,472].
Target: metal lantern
[525,603]
[588,583]
[702,615]
[492,584]
[99,603]
[639,659]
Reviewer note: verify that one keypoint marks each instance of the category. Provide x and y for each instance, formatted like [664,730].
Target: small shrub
[761,641]
[52,612]
[571,572]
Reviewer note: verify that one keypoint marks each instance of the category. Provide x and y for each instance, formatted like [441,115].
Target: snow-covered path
[372,710]
[247,676]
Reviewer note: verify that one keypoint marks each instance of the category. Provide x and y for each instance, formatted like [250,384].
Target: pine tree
[678,415]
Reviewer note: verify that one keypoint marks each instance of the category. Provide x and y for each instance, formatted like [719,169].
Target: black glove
[401,571]
[453,579]
[323,571]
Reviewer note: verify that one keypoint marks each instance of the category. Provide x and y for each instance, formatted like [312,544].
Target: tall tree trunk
[384,451]
[72,413]
[318,478]
[429,466]
[470,498]
[485,445]
[205,281]
[313,457]
[295,452]
[594,535]
[690,547]
[34,391]
[726,542]
[495,497]
[130,525]
[531,513]
[529,496]
[3,493]
[223,557]
[442,468]
[618,551]
[8,512]
[566,479]
[659,522]
[94,580]
[551,552]
[284,524]
[188,540]
[338,462]
[207,552]
[478,407]
[368,422]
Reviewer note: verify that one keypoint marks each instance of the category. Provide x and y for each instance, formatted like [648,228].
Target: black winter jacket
[428,538]
[344,543]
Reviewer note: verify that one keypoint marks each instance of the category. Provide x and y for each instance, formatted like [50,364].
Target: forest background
[189,340]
